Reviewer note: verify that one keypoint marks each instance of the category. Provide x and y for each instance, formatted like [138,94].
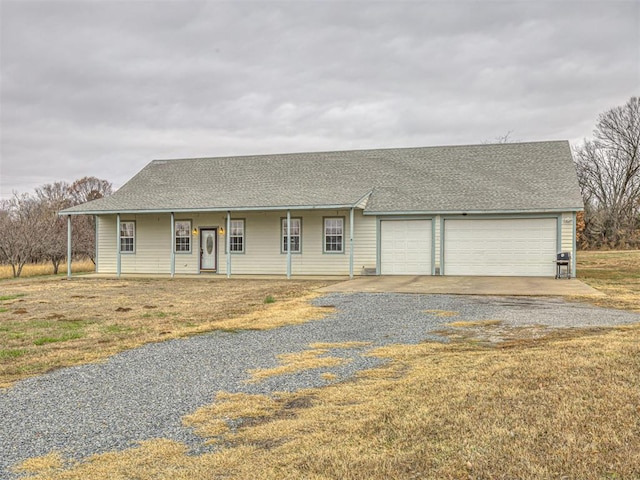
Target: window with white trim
[236,236]
[127,237]
[296,235]
[183,236]
[333,235]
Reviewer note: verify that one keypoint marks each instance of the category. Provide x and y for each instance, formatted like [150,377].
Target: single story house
[503,209]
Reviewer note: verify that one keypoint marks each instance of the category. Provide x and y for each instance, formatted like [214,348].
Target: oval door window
[209,244]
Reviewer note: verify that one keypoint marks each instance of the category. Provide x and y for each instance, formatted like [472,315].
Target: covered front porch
[321,242]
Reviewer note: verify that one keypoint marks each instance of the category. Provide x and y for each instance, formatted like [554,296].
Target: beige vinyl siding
[364,241]
[262,244]
[566,231]
[106,238]
[263,250]
[152,244]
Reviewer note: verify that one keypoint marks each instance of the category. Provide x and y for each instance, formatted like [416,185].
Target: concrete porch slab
[465,285]
[214,276]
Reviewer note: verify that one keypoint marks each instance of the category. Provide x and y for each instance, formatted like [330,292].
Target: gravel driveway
[143,393]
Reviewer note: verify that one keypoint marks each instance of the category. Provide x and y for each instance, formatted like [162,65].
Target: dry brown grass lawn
[41,269]
[616,273]
[314,357]
[442,313]
[49,463]
[51,323]
[475,323]
[544,404]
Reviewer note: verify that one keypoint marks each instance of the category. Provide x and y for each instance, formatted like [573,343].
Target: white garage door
[509,247]
[405,247]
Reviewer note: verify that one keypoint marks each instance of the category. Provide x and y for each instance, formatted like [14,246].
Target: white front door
[208,249]
[405,247]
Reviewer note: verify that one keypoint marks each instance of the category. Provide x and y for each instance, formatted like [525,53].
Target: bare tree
[506,138]
[89,188]
[82,191]
[21,224]
[609,175]
[31,230]
[54,197]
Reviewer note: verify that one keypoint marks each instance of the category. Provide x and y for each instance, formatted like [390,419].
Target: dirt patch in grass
[62,323]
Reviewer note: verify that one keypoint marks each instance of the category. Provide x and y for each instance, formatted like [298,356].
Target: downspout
[69,247]
[173,245]
[288,243]
[118,259]
[95,243]
[575,248]
[442,265]
[228,242]
[351,242]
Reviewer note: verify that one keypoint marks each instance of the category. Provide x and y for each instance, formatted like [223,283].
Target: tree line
[31,231]
[608,170]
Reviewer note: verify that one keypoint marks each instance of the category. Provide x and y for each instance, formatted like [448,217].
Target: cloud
[101,88]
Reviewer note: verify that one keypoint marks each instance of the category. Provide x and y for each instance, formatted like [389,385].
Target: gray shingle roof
[533,176]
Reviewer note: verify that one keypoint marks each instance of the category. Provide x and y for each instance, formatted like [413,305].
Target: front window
[183,236]
[296,234]
[333,235]
[236,236]
[127,237]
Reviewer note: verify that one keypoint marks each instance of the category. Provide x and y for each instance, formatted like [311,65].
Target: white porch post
[173,245]
[288,243]
[68,246]
[228,242]
[351,243]
[95,243]
[118,262]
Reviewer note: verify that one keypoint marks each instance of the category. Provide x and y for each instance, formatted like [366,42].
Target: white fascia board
[474,212]
[216,209]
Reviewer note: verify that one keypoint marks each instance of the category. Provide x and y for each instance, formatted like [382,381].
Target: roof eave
[474,212]
[214,209]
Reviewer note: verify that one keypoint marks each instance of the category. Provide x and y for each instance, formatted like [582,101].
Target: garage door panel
[523,247]
[405,247]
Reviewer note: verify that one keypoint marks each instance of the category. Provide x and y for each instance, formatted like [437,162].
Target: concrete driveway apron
[465,285]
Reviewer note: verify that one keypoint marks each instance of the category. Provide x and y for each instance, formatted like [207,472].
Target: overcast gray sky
[103,87]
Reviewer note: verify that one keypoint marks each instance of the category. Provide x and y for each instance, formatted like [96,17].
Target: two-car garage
[491,247]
